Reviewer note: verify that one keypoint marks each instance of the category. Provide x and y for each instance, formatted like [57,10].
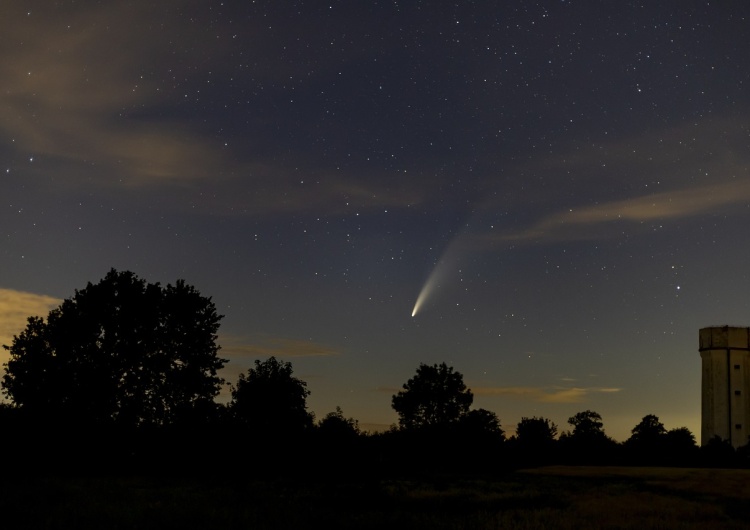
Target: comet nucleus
[448,262]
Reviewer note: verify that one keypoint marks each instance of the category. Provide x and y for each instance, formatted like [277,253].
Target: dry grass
[616,497]
[555,497]
[595,497]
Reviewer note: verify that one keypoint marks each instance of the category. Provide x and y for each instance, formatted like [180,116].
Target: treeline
[266,430]
[122,379]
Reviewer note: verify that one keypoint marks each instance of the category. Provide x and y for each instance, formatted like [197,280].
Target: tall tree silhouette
[647,441]
[120,352]
[649,431]
[587,425]
[271,401]
[435,395]
[588,443]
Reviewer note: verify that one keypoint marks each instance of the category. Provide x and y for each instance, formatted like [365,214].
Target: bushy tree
[436,395]
[120,352]
[335,425]
[647,441]
[648,433]
[680,447]
[338,447]
[718,452]
[588,443]
[534,442]
[271,401]
[587,424]
[482,424]
[536,433]
[680,438]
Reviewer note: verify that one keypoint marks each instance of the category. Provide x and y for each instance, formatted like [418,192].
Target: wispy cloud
[236,348]
[69,95]
[666,174]
[127,121]
[15,308]
[588,222]
[545,395]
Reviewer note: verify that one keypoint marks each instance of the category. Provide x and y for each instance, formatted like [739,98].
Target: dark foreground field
[552,497]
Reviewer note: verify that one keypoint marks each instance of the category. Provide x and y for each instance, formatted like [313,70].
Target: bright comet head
[447,263]
[423,294]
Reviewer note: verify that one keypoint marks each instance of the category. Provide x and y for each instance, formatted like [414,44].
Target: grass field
[551,497]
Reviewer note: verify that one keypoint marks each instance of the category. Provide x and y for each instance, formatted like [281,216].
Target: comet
[427,289]
[448,262]
[469,241]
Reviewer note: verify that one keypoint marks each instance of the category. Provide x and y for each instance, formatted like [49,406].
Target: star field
[571,179]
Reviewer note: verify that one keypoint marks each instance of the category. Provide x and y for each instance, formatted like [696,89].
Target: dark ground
[552,497]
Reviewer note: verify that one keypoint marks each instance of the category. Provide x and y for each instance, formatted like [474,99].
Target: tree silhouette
[271,401]
[120,352]
[681,437]
[436,395]
[536,434]
[717,452]
[647,441]
[680,447]
[587,443]
[534,442]
[482,424]
[339,447]
[334,426]
[648,432]
[587,424]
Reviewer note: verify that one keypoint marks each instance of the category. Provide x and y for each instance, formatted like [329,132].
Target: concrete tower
[725,410]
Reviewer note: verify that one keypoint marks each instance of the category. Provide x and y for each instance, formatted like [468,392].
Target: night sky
[568,180]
